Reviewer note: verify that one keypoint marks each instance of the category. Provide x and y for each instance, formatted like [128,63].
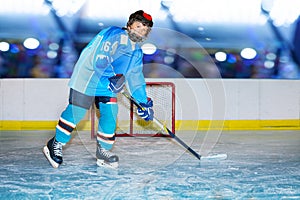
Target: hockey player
[112,58]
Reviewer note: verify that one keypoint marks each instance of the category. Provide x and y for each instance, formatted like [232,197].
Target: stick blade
[214,157]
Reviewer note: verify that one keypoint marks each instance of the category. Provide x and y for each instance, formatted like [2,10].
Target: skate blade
[47,155]
[102,163]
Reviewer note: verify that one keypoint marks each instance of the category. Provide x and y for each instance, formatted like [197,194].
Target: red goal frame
[131,132]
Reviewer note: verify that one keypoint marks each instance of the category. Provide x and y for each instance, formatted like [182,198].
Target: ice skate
[106,158]
[53,152]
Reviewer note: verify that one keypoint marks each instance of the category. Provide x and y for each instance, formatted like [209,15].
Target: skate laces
[106,153]
[57,148]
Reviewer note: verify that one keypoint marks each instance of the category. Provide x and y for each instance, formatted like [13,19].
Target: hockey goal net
[130,124]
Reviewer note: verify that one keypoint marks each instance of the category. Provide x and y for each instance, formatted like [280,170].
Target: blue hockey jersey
[110,52]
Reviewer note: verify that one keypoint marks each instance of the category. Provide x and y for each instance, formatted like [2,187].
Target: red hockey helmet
[142,17]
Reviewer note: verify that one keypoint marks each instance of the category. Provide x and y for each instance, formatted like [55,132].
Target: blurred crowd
[20,62]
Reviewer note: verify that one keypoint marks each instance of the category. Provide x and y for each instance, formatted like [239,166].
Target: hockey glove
[116,83]
[146,113]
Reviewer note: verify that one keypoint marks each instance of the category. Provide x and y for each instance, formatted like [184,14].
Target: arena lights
[38,7]
[67,7]
[210,11]
[31,7]
[270,60]
[248,53]
[269,64]
[31,43]
[271,56]
[218,11]
[4,46]
[121,9]
[220,56]
[51,54]
[53,46]
[283,12]
[148,48]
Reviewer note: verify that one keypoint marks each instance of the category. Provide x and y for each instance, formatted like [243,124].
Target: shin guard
[107,124]
[70,117]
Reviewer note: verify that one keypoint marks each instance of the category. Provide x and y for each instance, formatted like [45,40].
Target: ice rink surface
[260,165]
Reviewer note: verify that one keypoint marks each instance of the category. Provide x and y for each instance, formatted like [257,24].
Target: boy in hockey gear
[112,58]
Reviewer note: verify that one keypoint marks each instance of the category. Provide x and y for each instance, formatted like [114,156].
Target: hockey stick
[163,127]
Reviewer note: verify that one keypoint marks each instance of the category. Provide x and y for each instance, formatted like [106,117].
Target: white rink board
[196,99]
